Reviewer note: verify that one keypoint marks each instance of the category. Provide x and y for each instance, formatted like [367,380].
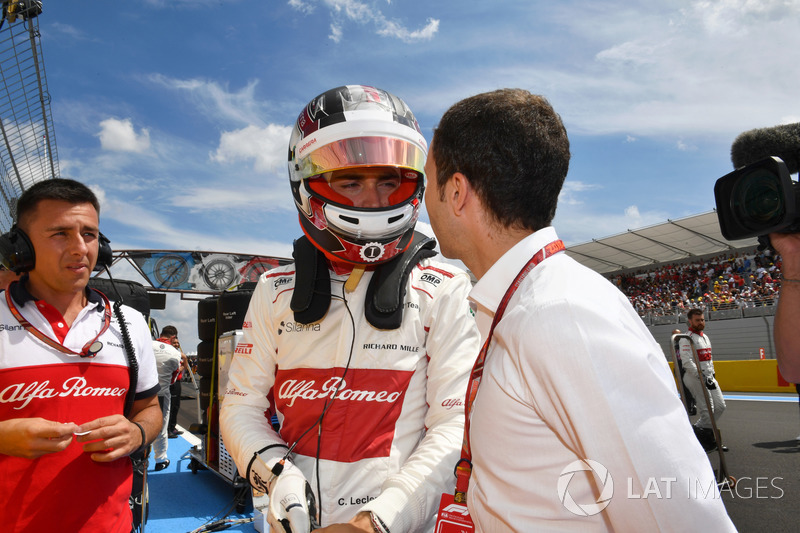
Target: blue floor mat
[181,501]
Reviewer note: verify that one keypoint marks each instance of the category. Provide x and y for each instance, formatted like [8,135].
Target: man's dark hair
[512,147]
[63,189]
[169,331]
[693,311]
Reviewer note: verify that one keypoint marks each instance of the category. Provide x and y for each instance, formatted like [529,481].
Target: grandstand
[668,268]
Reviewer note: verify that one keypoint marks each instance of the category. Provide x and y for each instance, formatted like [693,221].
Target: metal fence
[27,136]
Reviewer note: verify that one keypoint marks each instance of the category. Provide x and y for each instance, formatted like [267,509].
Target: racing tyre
[133,294]
[207,318]
[205,359]
[231,310]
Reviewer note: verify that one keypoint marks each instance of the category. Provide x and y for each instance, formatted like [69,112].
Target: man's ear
[458,193]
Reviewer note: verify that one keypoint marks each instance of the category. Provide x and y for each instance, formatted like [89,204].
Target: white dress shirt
[573,374]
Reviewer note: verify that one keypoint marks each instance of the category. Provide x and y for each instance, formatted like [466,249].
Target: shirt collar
[21,294]
[489,290]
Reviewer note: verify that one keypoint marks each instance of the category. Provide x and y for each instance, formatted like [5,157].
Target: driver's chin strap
[384,303]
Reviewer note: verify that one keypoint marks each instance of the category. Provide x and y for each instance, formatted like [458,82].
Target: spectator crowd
[743,279]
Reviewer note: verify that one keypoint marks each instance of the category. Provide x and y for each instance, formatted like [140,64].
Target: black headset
[17,253]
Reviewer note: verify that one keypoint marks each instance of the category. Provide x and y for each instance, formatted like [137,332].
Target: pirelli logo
[244,348]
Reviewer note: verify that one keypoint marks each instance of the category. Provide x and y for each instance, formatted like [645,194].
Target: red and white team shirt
[67,491]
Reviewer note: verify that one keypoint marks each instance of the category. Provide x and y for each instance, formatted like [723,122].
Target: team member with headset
[363,345]
[75,401]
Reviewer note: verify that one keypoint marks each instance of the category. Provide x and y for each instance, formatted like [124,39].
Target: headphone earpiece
[104,254]
[16,251]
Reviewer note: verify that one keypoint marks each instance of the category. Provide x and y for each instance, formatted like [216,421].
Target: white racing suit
[693,381]
[392,437]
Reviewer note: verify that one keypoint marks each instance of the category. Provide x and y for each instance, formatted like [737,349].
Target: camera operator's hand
[788,245]
[291,502]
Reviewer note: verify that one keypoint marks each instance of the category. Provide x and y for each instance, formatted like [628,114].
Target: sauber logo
[430,278]
[244,348]
[309,390]
[457,509]
[24,393]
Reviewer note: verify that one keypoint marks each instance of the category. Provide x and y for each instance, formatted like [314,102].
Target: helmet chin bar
[359,252]
[370,224]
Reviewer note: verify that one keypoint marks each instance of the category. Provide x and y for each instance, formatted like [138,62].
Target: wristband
[377,524]
[144,438]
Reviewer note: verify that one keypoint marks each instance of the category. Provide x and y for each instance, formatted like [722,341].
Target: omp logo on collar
[278,282]
[430,278]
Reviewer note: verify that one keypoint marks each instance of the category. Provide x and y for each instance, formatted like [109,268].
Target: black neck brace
[384,306]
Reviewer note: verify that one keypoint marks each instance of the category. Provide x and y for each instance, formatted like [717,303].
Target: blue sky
[178,112]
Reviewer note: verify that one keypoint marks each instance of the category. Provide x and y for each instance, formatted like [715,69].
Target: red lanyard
[464,465]
[90,349]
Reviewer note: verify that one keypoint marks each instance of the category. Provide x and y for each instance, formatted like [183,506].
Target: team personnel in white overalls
[703,428]
[363,346]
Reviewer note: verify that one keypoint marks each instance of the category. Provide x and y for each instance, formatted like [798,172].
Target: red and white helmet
[349,127]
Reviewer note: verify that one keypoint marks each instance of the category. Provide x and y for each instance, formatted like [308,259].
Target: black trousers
[175,404]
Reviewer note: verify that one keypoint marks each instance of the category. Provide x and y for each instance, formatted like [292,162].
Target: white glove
[292,506]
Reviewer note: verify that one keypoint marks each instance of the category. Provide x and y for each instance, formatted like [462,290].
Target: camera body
[758,199]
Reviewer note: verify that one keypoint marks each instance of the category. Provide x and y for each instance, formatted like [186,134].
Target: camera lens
[757,200]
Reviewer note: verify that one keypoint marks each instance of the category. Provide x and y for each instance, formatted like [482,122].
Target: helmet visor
[361,151]
[367,187]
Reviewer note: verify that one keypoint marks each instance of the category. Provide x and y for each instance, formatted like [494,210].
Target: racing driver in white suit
[362,346]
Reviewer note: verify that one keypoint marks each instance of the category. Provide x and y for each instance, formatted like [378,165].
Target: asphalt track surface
[760,431]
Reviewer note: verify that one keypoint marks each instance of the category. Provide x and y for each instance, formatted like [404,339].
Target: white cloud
[638,68]
[301,6]
[266,147]
[336,33]
[392,29]
[215,101]
[363,13]
[570,192]
[120,136]
[275,198]
[577,224]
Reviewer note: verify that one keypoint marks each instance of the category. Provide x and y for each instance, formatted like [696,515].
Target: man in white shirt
[168,362]
[574,400]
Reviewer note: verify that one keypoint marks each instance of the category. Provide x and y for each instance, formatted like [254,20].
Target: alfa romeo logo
[600,472]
